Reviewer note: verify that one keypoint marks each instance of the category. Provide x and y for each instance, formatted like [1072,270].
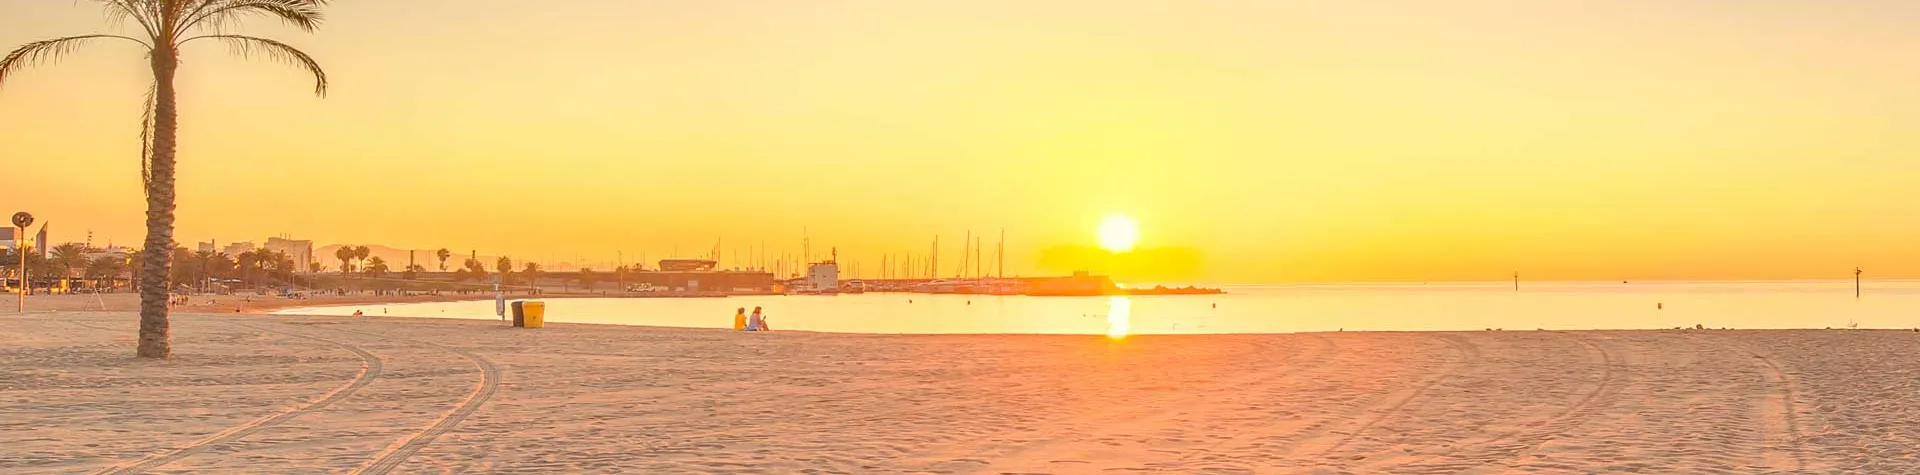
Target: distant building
[299,250]
[115,252]
[687,265]
[705,281]
[823,276]
[206,247]
[236,249]
[6,237]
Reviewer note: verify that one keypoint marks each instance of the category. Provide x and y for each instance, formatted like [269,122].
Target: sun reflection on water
[1119,316]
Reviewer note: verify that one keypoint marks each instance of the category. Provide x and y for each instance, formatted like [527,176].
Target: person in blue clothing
[757,322]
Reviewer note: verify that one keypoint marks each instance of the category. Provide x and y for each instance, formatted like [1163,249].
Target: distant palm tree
[376,266]
[360,254]
[280,265]
[587,279]
[133,258]
[345,254]
[222,266]
[68,257]
[8,261]
[177,274]
[165,27]
[106,269]
[443,254]
[202,260]
[533,274]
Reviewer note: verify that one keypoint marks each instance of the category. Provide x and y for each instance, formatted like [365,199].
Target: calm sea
[1263,309]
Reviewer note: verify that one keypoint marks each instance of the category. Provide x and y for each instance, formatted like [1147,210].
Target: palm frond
[249,47]
[215,15]
[118,11]
[49,51]
[146,138]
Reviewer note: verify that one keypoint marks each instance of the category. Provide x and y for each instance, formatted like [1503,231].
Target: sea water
[1260,309]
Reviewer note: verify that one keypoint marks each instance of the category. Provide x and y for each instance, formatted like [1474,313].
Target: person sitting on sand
[756,322]
[740,318]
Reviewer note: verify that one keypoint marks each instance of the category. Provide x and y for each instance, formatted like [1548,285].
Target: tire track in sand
[1789,419]
[370,368]
[1518,443]
[1781,421]
[1110,414]
[395,454]
[1470,354]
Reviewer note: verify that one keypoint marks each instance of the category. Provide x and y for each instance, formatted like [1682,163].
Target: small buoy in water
[1660,306]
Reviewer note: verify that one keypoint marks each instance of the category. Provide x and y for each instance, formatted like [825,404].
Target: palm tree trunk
[155,341]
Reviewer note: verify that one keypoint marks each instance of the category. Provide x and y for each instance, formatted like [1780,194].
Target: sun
[1118,233]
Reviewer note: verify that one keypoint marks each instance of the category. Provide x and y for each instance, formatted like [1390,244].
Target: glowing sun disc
[1118,233]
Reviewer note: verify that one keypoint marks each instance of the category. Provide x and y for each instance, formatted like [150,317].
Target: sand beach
[249,393]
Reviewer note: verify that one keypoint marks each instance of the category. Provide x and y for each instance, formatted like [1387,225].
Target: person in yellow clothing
[740,318]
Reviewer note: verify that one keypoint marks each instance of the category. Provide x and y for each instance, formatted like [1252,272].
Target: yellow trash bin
[536,313]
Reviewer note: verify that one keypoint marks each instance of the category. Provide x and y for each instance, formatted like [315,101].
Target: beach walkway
[281,394]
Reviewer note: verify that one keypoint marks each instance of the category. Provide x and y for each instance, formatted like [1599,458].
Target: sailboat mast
[966,254]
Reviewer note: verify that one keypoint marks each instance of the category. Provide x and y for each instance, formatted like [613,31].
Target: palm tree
[134,256]
[474,270]
[8,262]
[443,254]
[587,279]
[69,256]
[204,260]
[280,265]
[344,253]
[248,261]
[533,275]
[106,268]
[376,266]
[165,27]
[220,265]
[175,274]
[360,254]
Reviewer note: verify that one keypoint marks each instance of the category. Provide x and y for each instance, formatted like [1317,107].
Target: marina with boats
[681,277]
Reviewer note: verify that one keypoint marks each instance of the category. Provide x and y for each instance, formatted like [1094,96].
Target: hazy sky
[1282,140]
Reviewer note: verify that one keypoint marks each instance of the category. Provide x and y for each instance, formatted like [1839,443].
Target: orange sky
[1281,141]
